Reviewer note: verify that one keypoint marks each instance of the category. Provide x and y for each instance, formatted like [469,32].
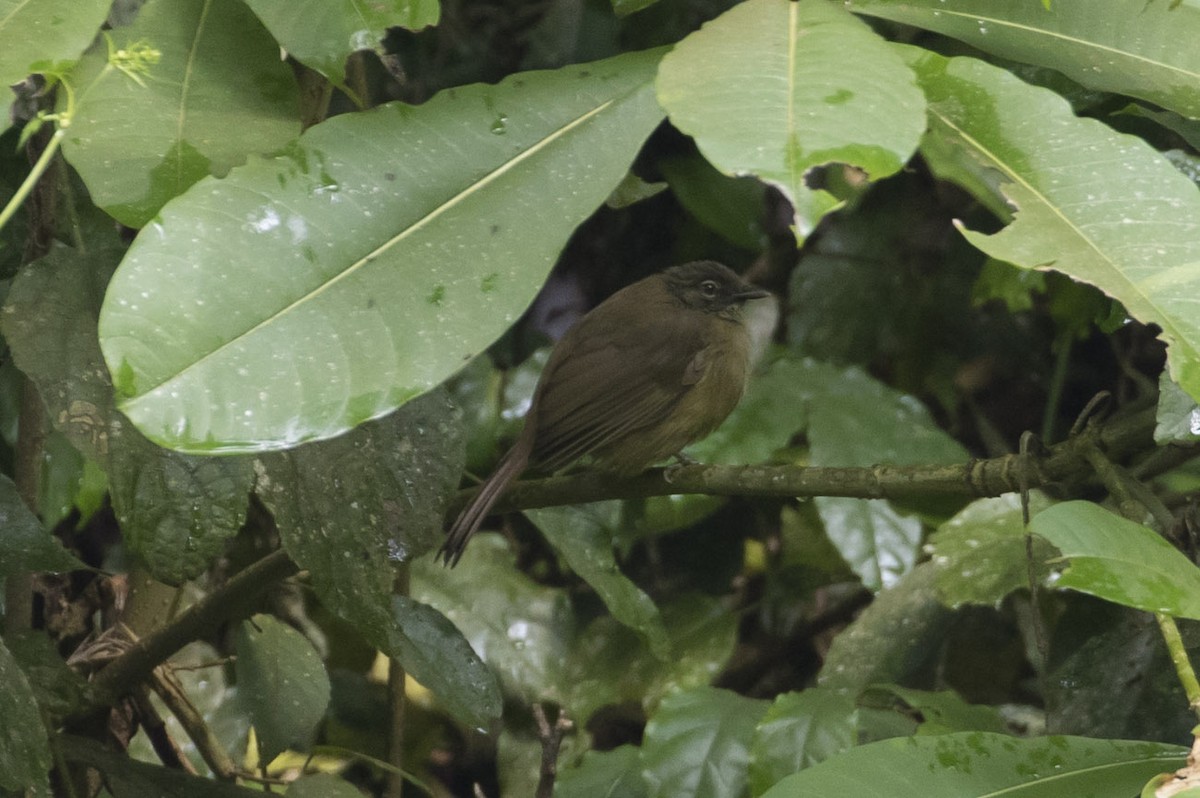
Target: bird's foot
[681,460]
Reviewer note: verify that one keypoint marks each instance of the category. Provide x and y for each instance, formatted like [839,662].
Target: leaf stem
[39,168]
[1179,658]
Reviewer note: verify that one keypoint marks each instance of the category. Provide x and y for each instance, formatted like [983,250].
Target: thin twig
[203,617]
[156,731]
[210,748]
[551,737]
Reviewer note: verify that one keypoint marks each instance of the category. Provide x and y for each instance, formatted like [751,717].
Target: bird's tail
[468,521]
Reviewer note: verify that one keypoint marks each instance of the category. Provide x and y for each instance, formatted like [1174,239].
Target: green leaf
[583,535]
[333,283]
[732,207]
[698,744]
[940,712]
[983,764]
[380,491]
[350,507]
[1120,561]
[1178,414]
[176,511]
[878,543]
[24,545]
[322,785]
[436,654]
[773,88]
[895,639]
[128,778]
[58,689]
[188,90]
[609,664]
[800,730]
[979,554]
[46,31]
[24,748]
[282,682]
[521,629]
[856,420]
[609,774]
[1136,238]
[1109,675]
[1121,46]
[322,34]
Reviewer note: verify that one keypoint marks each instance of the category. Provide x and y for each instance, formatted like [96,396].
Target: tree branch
[207,615]
[1064,462]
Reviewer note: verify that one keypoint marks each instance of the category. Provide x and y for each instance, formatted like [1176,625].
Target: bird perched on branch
[655,367]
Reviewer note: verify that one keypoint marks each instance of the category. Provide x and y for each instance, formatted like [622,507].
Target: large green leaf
[980,764]
[350,507]
[24,749]
[282,682]
[773,88]
[188,90]
[1145,49]
[584,536]
[1120,561]
[176,511]
[1102,207]
[698,744]
[48,31]
[307,293]
[322,34]
[799,730]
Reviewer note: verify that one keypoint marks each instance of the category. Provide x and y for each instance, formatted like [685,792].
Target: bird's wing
[604,387]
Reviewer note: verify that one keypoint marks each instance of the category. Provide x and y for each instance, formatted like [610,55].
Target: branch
[1064,462]
[203,617]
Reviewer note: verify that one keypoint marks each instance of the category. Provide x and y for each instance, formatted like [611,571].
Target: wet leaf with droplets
[307,293]
[350,508]
[1119,560]
[1142,49]
[176,511]
[774,89]
[1102,207]
[281,682]
[322,34]
[980,553]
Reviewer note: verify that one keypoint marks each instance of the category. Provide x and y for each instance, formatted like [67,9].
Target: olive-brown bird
[655,367]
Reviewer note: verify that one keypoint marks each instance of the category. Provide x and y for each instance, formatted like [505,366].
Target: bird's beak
[753,293]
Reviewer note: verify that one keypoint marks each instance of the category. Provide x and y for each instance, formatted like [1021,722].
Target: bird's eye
[709,288]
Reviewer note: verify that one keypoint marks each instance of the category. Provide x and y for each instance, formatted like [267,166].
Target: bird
[655,367]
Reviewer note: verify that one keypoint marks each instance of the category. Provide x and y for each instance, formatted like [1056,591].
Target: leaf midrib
[1192,75]
[1161,317]
[356,265]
